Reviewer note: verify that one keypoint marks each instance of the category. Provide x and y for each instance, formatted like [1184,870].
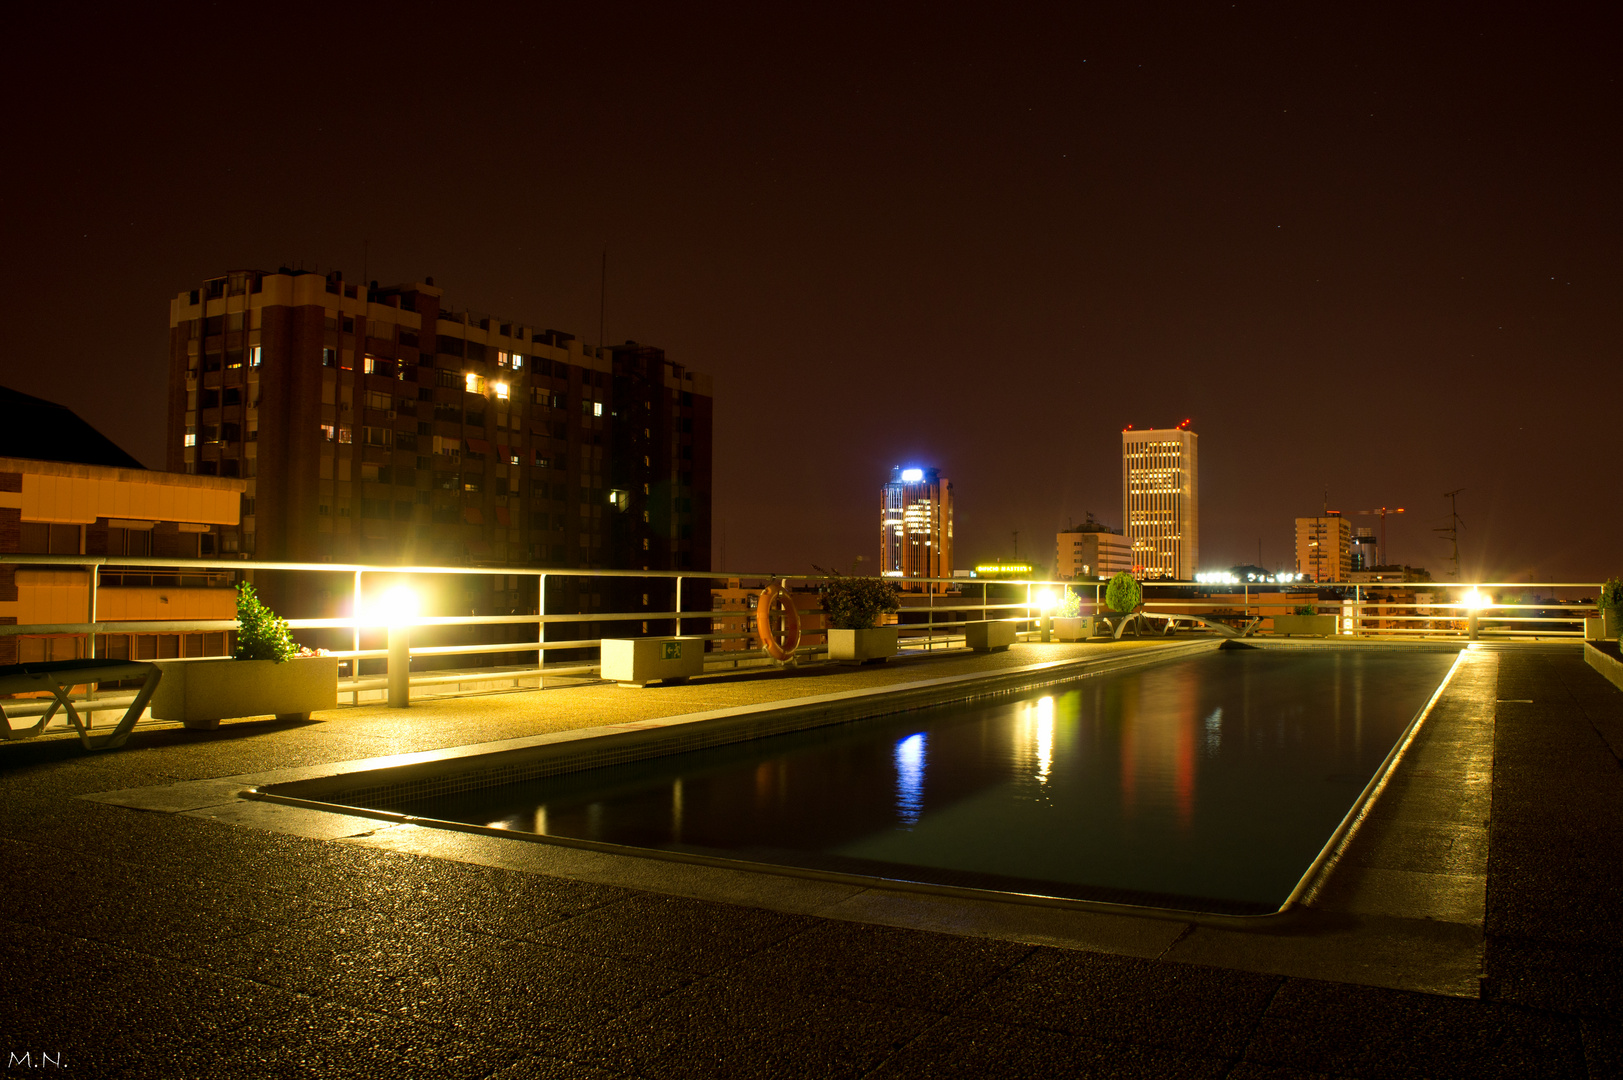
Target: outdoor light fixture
[912,476]
[1476,601]
[397,609]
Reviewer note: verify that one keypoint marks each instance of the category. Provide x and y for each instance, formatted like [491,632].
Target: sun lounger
[59,677]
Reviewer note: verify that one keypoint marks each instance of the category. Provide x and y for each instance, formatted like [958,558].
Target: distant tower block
[1160,498]
[915,525]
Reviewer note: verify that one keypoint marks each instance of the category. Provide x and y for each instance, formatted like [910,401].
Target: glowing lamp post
[1046,602]
[397,610]
[1475,602]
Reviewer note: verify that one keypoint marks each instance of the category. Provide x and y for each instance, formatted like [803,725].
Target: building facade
[1160,496]
[915,525]
[1091,552]
[377,425]
[111,511]
[1324,547]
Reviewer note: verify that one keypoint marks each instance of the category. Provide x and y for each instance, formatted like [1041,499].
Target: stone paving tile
[973,1049]
[722,1028]
[693,936]
[1583,980]
[883,965]
[106,1011]
[315,1040]
[546,1067]
[494,990]
[1362,1031]
[1184,1007]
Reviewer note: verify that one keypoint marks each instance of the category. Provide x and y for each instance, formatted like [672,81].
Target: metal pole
[677,607]
[399,666]
[541,632]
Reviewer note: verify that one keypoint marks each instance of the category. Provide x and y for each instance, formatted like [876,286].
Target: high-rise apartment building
[1160,497]
[1324,547]
[915,525]
[377,425]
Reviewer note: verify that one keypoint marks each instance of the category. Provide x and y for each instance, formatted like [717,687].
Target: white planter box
[864,646]
[640,661]
[201,693]
[1307,625]
[989,636]
[1595,629]
[1076,628]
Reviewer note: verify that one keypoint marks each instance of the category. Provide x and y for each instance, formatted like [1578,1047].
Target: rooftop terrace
[158,924]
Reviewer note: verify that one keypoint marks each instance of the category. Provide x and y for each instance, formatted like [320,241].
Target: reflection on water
[1217,777]
[910,778]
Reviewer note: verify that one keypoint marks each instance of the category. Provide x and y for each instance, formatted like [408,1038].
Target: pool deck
[159,925]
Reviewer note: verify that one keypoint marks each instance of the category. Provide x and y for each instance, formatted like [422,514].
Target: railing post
[677,607]
[399,666]
[541,632]
[929,621]
[355,662]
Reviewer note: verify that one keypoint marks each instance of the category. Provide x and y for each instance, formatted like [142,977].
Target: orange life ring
[779,649]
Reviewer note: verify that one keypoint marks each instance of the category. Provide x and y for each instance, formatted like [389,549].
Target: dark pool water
[1208,783]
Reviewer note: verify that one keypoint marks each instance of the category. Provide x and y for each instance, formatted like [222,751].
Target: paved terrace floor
[169,944]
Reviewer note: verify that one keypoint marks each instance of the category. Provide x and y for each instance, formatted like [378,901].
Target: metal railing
[934,614]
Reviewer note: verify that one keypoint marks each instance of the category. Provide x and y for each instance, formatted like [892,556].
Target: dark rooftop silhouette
[41,430]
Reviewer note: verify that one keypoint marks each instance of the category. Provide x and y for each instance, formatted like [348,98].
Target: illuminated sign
[1004,568]
[912,476]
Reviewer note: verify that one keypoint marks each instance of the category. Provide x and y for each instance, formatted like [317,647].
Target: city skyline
[1367,256]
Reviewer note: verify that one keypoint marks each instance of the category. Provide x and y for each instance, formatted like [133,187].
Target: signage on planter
[671,650]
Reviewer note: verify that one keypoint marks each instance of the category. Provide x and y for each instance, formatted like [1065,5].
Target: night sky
[1374,251]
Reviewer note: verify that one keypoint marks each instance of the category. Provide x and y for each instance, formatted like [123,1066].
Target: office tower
[1091,551]
[1365,552]
[1160,496]
[378,425]
[915,525]
[1324,547]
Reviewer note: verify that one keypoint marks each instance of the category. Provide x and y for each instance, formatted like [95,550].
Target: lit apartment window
[501,390]
[597,408]
[327,432]
[344,435]
[191,437]
[329,357]
[255,355]
[473,383]
[501,359]
[518,361]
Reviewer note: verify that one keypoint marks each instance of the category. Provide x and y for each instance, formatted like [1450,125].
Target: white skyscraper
[1160,499]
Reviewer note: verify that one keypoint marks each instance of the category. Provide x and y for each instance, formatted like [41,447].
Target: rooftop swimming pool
[1205,783]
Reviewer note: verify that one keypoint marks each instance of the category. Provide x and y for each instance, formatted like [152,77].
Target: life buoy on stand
[778,647]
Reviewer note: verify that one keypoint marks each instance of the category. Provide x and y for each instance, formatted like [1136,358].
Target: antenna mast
[1451,531]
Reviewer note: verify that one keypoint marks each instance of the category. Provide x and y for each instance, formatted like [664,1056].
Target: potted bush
[267,674]
[852,606]
[1610,604]
[1305,620]
[1124,596]
[1069,622]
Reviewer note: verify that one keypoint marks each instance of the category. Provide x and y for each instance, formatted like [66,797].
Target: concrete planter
[201,693]
[640,661]
[871,646]
[1611,622]
[989,636]
[1306,625]
[1076,628]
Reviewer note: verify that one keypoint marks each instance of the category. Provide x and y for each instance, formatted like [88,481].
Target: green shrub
[1611,594]
[1070,606]
[260,634]
[1123,594]
[1305,609]
[855,603]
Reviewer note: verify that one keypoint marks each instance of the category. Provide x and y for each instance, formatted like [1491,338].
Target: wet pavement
[142,943]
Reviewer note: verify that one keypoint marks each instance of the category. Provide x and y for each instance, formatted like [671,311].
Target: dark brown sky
[1374,251]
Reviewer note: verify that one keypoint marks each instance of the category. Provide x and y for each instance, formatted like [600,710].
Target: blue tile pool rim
[370,792]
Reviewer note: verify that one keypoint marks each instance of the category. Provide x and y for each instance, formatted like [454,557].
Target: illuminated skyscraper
[915,525]
[1160,499]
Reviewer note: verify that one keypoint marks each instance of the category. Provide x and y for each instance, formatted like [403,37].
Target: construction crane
[1380,513]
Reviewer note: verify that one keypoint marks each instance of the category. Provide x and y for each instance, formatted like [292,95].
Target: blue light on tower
[912,476]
